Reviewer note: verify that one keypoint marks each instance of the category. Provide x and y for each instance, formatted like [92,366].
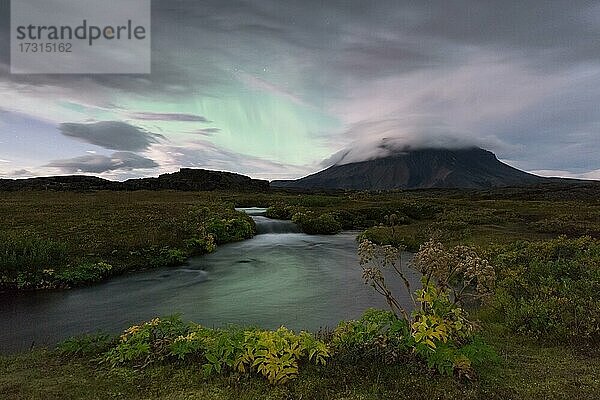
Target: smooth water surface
[279,277]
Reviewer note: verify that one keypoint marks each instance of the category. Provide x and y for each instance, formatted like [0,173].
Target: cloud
[487,101]
[203,154]
[207,131]
[18,173]
[150,116]
[118,161]
[111,135]
[22,173]
[590,175]
[373,147]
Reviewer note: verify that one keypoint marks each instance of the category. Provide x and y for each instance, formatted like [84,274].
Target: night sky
[279,89]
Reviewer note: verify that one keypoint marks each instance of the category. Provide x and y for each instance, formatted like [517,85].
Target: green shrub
[370,216]
[223,224]
[225,230]
[439,326]
[316,200]
[463,361]
[86,345]
[276,355]
[444,337]
[35,263]
[201,244]
[83,274]
[216,349]
[474,216]
[313,224]
[346,219]
[550,289]
[167,257]
[283,211]
[385,235]
[147,342]
[419,210]
[378,336]
[24,260]
[175,257]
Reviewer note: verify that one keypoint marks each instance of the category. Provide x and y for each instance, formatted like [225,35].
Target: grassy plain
[527,370]
[129,229]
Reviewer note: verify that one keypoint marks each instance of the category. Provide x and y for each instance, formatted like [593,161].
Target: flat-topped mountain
[186,179]
[472,168]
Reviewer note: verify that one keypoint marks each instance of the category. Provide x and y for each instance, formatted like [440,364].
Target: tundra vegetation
[508,305]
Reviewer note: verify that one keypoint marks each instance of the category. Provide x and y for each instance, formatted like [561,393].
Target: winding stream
[279,277]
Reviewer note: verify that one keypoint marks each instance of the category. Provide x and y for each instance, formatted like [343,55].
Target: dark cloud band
[118,161]
[168,117]
[111,135]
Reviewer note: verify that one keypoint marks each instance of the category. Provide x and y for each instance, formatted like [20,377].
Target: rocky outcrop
[186,179]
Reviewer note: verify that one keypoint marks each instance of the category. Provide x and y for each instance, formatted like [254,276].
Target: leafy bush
[419,210]
[29,262]
[444,336]
[240,227]
[313,224]
[378,335]
[203,243]
[276,355]
[458,271]
[438,319]
[167,257]
[209,227]
[82,274]
[147,342]
[385,235]
[25,258]
[86,345]
[439,327]
[282,211]
[449,359]
[347,219]
[550,289]
[369,216]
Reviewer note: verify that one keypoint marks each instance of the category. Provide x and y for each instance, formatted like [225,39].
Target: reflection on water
[278,278]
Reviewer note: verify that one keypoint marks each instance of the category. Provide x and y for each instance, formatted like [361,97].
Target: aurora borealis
[273,89]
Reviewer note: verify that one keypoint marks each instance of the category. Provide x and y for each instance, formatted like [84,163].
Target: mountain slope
[418,169]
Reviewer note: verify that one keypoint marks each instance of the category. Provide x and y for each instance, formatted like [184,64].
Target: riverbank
[52,240]
[527,370]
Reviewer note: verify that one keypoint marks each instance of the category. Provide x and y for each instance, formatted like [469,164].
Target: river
[279,277]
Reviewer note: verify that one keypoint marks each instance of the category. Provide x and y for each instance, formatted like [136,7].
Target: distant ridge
[469,168]
[186,179]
